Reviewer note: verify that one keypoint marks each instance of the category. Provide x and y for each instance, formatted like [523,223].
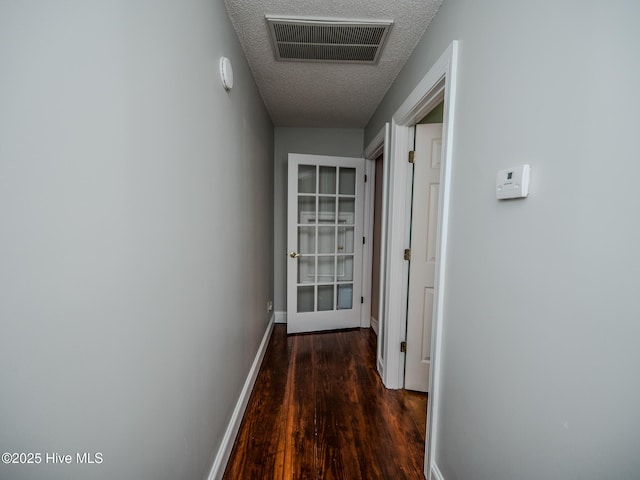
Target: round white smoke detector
[226,73]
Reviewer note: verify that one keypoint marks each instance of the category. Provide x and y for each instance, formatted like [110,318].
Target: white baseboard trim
[374,325]
[436,474]
[224,452]
[281,317]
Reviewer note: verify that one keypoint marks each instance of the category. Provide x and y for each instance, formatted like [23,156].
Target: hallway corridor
[319,411]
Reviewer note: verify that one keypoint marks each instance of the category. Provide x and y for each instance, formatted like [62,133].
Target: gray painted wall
[540,356]
[343,142]
[434,116]
[135,229]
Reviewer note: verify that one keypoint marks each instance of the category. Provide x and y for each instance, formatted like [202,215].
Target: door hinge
[361,299]
[412,156]
[403,347]
[364,240]
[365,179]
[407,254]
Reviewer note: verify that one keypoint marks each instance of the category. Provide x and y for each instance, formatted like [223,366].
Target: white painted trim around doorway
[439,83]
[380,145]
[367,248]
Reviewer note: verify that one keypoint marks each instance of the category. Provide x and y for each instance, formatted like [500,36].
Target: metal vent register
[335,40]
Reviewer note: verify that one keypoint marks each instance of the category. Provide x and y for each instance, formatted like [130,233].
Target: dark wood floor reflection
[319,411]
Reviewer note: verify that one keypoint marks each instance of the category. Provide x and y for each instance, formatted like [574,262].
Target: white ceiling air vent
[327,40]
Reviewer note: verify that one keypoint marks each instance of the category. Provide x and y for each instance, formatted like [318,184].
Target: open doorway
[376,237]
[377,168]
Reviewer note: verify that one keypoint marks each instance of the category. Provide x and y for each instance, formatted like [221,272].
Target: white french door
[324,238]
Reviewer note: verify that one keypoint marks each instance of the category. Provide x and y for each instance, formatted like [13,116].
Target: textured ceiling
[304,94]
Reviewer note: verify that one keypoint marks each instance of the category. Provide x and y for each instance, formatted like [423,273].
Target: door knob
[294,255]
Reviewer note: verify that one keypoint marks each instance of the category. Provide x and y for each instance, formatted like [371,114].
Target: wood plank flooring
[319,411]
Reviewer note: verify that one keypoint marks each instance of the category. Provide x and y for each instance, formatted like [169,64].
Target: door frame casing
[439,83]
[380,145]
[367,248]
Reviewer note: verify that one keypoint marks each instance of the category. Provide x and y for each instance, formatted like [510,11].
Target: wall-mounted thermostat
[513,182]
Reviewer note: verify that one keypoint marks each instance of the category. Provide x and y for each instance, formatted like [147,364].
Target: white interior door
[424,221]
[324,237]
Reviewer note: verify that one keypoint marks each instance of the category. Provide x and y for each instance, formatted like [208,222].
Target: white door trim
[367,250]
[438,83]
[380,144]
[371,153]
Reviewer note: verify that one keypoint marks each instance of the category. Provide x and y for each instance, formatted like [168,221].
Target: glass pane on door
[326,239]
[326,269]
[305,299]
[347,181]
[325,297]
[306,209]
[347,211]
[345,239]
[306,240]
[307,269]
[327,211]
[345,297]
[328,180]
[307,179]
[344,269]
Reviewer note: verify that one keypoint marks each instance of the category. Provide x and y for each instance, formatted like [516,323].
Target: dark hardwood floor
[319,411]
